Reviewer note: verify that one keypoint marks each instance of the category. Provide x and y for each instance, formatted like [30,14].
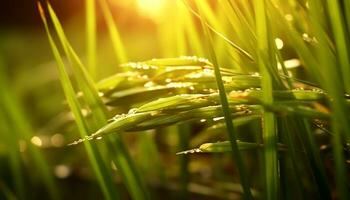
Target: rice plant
[246,100]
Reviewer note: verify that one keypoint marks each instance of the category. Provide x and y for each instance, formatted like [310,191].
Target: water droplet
[279,43]
[149,84]
[197,150]
[73,143]
[189,151]
[132,111]
[217,118]
[256,74]
[36,141]
[168,80]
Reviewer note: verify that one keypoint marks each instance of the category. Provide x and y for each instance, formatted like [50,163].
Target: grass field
[178,99]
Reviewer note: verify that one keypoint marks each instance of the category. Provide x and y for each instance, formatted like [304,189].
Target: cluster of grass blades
[102,169]
[183,90]
[290,125]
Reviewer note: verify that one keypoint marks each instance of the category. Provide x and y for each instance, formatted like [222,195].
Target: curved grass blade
[235,46]
[225,146]
[228,119]
[91,36]
[221,147]
[181,61]
[174,101]
[113,32]
[268,121]
[335,88]
[133,181]
[16,116]
[101,171]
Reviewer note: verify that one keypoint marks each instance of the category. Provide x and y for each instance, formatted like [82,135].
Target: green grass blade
[118,47]
[129,172]
[21,126]
[235,46]
[184,131]
[288,137]
[12,139]
[85,83]
[228,118]
[346,7]
[96,161]
[91,42]
[334,86]
[340,41]
[222,147]
[269,122]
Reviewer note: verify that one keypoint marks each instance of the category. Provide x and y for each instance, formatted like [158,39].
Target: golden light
[151,8]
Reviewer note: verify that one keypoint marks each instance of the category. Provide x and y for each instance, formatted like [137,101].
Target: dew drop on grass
[132,111]
[256,74]
[217,118]
[197,150]
[149,84]
[36,141]
[168,80]
[279,43]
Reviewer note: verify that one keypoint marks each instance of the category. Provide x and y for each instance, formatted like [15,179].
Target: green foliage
[280,113]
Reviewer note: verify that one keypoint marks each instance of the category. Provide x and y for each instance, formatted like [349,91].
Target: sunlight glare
[151,8]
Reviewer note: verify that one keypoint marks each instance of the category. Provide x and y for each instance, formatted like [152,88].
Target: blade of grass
[228,118]
[12,139]
[268,121]
[235,46]
[118,47]
[184,134]
[340,41]
[21,126]
[346,10]
[104,178]
[307,138]
[91,36]
[294,159]
[183,130]
[335,88]
[134,182]
[192,34]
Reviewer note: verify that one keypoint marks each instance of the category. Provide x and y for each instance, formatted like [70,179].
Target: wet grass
[282,130]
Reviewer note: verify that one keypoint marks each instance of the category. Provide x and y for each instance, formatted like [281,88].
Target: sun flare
[151,8]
